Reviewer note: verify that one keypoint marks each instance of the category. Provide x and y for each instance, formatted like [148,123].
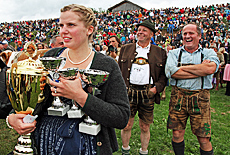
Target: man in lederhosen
[142,66]
[191,69]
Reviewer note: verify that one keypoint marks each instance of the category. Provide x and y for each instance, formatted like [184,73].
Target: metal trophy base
[22,150]
[23,146]
[61,111]
[89,129]
[74,113]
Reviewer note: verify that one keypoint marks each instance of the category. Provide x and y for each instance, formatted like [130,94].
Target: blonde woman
[60,135]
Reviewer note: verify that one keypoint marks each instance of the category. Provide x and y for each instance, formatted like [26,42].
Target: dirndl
[56,135]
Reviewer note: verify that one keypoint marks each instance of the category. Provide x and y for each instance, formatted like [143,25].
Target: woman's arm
[111,108]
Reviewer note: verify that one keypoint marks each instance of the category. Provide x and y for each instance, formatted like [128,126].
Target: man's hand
[113,54]
[206,61]
[153,89]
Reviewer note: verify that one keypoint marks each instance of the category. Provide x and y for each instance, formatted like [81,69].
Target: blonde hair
[222,50]
[105,48]
[86,15]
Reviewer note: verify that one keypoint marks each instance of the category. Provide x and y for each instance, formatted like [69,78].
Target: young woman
[60,135]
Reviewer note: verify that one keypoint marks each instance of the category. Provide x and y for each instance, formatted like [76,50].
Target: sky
[19,10]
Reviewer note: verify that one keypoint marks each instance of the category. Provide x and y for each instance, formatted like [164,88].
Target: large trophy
[52,65]
[95,78]
[23,89]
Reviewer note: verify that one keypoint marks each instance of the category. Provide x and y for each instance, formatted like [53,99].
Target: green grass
[160,141]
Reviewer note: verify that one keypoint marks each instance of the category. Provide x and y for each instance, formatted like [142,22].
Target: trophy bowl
[52,63]
[23,88]
[96,77]
[68,73]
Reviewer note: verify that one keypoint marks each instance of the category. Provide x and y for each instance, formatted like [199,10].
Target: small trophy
[70,74]
[23,89]
[95,79]
[75,111]
[51,65]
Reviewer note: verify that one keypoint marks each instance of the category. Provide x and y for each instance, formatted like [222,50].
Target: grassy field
[160,141]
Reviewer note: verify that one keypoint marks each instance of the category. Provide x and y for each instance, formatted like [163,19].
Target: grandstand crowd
[214,21]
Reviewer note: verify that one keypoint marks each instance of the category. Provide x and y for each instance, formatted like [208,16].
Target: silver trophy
[23,89]
[52,64]
[95,78]
[71,74]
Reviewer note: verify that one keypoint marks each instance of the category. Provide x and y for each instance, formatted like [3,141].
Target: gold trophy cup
[23,89]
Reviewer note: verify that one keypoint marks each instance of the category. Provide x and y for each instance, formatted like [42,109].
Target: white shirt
[103,52]
[139,74]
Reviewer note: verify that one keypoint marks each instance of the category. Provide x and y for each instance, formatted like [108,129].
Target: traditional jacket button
[128,79]
[99,143]
[131,60]
[128,69]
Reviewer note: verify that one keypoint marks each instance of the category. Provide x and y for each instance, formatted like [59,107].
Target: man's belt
[140,87]
[141,61]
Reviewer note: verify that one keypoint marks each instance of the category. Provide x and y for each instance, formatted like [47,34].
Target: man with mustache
[142,66]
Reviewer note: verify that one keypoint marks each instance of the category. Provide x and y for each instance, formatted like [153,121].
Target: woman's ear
[90,30]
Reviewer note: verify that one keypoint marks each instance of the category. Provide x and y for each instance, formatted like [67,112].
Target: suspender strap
[202,78]
[150,72]
[179,63]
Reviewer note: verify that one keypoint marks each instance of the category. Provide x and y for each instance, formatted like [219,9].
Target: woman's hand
[71,89]
[16,121]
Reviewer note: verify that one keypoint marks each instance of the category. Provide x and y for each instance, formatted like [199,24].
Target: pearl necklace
[77,63]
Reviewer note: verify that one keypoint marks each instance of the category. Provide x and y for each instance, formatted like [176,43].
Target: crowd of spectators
[213,20]
[21,32]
